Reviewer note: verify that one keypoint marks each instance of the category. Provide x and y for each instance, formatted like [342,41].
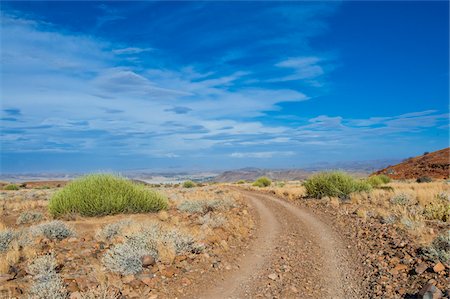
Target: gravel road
[294,255]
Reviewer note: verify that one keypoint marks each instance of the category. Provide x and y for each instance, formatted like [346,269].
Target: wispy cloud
[262,155]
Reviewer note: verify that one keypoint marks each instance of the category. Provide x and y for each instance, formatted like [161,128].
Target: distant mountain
[357,168]
[251,174]
[433,165]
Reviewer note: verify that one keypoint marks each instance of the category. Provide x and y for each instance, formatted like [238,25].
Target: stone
[73,287]
[273,276]
[163,216]
[169,271]
[422,267]
[429,291]
[438,267]
[185,281]
[147,260]
[75,295]
[147,279]
[400,267]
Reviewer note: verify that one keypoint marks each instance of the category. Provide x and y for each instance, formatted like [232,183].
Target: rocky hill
[434,165]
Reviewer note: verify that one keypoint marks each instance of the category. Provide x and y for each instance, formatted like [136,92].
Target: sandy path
[294,255]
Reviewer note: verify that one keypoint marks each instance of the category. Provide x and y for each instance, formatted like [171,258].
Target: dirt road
[294,255]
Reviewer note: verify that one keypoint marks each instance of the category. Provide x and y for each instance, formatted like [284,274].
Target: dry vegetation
[415,207]
[133,255]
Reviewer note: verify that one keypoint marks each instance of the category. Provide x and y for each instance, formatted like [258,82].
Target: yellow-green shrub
[105,194]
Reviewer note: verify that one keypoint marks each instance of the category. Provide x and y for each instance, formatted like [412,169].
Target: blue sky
[219,85]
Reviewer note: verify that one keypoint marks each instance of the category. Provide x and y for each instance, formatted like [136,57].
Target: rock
[147,260]
[147,279]
[438,267]
[400,267]
[422,267]
[273,276]
[163,216]
[75,295]
[169,271]
[429,291]
[72,240]
[136,283]
[185,281]
[73,287]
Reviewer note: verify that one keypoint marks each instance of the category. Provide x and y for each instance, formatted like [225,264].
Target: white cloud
[131,50]
[303,68]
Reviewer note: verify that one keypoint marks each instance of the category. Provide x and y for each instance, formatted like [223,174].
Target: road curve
[294,255]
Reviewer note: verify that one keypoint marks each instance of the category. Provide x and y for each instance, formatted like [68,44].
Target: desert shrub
[201,206]
[54,230]
[334,184]
[410,222]
[439,210]
[240,182]
[47,283]
[104,194]
[183,243]
[11,187]
[374,181]
[212,221]
[281,184]
[189,184]
[378,180]
[6,238]
[102,291]
[112,230]
[402,199]
[384,178]
[219,204]
[443,196]
[262,182]
[29,217]
[439,249]
[192,206]
[124,259]
[424,179]
[388,219]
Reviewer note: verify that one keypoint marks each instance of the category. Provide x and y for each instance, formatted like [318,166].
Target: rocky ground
[220,234]
[392,261]
[246,242]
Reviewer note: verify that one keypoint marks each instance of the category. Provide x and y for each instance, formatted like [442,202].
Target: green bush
[437,211]
[105,194]
[189,184]
[334,184]
[240,182]
[262,182]
[378,180]
[11,187]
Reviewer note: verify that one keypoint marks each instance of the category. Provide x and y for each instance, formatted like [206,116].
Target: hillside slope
[434,165]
